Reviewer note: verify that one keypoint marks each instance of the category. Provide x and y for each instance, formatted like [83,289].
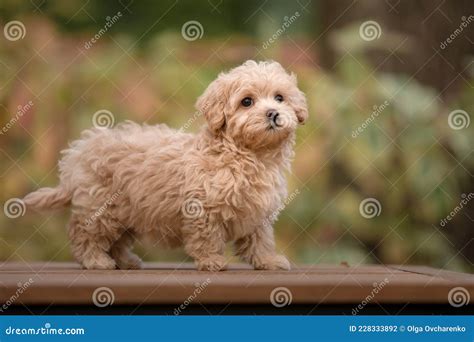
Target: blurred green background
[379,104]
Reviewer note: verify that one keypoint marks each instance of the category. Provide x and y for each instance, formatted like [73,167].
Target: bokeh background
[389,86]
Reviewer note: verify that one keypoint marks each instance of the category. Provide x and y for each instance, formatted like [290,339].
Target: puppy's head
[256,104]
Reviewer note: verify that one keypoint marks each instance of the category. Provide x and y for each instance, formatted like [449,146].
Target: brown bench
[57,288]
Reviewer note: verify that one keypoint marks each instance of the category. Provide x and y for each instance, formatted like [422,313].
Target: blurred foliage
[407,156]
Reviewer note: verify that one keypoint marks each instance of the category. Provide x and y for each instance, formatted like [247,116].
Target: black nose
[272,114]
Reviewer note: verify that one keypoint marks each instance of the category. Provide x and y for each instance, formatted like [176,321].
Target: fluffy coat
[225,183]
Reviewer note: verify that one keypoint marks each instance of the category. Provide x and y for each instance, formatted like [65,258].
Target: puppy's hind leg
[122,254]
[89,245]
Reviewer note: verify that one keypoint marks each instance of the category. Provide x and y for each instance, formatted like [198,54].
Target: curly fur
[193,190]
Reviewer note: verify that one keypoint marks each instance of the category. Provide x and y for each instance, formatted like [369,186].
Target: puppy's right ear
[212,104]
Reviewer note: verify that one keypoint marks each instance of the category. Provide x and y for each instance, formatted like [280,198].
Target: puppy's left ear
[301,108]
[212,104]
[299,103]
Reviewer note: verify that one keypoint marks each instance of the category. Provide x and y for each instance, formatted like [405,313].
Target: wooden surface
[66,283]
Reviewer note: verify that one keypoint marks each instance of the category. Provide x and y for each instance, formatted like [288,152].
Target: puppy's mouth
[275,124]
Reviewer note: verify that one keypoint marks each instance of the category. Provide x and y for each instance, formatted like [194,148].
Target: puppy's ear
[301,108]
[299,103]
[212,104]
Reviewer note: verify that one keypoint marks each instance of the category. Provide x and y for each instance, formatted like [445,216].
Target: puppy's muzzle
[273,117]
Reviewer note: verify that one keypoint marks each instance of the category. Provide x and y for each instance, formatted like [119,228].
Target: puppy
[225,183]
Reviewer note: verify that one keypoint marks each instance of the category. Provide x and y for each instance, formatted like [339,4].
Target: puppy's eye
[247,102]
[279,98]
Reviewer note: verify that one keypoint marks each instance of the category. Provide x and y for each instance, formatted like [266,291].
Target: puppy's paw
[99,262]
[214,264]
[273,262]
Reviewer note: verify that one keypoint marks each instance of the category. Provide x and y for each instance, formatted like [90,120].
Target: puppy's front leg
[205,244]
[258,249]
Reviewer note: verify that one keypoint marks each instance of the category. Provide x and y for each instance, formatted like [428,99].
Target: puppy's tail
[48,198]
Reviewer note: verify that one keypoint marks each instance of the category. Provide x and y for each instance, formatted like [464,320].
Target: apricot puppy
[225,183]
